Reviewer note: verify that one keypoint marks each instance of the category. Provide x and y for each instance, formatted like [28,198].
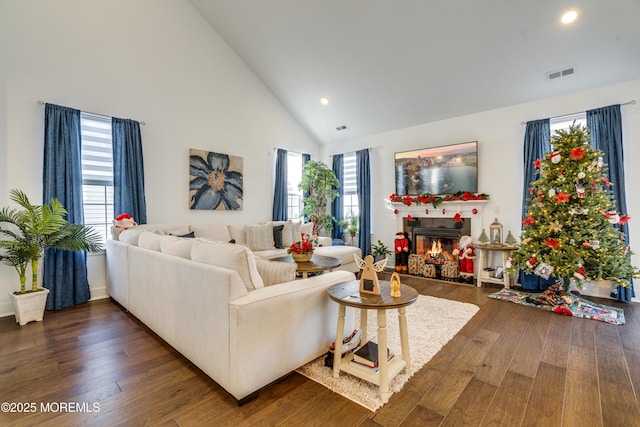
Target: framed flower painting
[215,181]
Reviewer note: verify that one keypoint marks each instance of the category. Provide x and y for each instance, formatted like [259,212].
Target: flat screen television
[447,169]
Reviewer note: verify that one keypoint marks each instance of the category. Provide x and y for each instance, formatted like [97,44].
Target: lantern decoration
[495,230]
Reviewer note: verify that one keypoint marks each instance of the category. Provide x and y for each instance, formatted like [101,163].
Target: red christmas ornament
[395,211]
[586,244]
[444,211]
[474,211]
[426,211]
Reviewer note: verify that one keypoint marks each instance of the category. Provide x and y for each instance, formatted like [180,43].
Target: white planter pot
[29,307]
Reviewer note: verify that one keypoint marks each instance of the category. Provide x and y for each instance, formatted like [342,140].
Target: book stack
[366,357]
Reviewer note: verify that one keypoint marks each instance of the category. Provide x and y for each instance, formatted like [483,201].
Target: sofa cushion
[233,257]
[277,236]
[177,246]
[237,233]
[274,272]
[131,235]
[217,232]
[259,236]
[343,253]
[150,240]
[306,228]
[290,233]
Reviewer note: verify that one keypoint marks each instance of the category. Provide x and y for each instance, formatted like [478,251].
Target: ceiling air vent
[342,127]
[560,73]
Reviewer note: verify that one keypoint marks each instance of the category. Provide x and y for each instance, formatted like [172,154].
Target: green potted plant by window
[379,250]
[24,236]
[352,227]
[320,183]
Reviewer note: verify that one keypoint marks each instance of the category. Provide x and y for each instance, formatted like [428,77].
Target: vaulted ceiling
[391,64]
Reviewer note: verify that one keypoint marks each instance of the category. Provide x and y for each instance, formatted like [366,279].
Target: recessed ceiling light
[324,100]
[569,17]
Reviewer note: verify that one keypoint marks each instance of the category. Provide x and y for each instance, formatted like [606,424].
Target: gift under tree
[569,231]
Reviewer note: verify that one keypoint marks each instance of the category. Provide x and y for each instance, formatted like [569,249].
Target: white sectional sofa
[245,321]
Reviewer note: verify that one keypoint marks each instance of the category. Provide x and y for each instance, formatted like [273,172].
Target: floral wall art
[215,181]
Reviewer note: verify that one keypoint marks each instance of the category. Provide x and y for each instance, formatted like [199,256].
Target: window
[563,122]
[350,186]
[97,173]
[294,194]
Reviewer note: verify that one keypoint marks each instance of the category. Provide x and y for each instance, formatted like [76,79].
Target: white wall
[500,137]
[155,61]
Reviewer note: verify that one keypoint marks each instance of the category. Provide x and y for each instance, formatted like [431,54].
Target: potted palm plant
[24,236]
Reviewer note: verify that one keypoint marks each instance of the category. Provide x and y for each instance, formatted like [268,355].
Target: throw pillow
[131,235]
[291,233]
[187,236]
[274,272]
[217,232]
[259,236]
[232,257]
[174,245]
[150,240]
[277,235]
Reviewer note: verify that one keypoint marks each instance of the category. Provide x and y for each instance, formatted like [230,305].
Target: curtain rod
[89,112]
[633,101]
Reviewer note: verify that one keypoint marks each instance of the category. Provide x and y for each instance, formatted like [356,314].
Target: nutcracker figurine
[401,249]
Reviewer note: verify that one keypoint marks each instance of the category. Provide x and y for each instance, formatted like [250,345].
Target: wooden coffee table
[348,294]
[318,263]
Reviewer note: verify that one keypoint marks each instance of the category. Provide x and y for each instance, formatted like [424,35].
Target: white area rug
[432,322]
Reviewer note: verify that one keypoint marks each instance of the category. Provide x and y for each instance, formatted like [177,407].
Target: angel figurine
[369,277]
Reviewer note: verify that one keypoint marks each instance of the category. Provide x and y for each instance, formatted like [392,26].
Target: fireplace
[436,239]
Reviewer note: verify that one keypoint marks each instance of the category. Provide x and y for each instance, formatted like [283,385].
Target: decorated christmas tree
[569,230]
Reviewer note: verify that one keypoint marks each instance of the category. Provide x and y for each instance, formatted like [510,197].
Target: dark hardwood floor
[509,366]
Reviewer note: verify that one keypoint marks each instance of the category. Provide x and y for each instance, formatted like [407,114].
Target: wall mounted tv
[439,170]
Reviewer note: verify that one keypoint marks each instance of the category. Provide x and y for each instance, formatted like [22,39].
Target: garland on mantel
[435,200]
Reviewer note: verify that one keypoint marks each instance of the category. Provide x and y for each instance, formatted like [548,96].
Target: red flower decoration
[302,247]
[552,243]
[537,163]
[577,153]
[528,221]
[624,219]
[605,181]
[562,197]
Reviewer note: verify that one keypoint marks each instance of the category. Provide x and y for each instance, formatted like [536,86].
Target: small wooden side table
[505,250]
[348,294]
[316,264]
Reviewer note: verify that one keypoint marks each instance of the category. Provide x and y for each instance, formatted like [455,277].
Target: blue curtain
[605,128]
[337,204]
[280,191]
[128,170]
[363,179]
[536,143]
[65,272]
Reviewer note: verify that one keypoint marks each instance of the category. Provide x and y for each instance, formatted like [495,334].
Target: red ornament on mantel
[395,211]
[426,211]
[474,211]
[444,211]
